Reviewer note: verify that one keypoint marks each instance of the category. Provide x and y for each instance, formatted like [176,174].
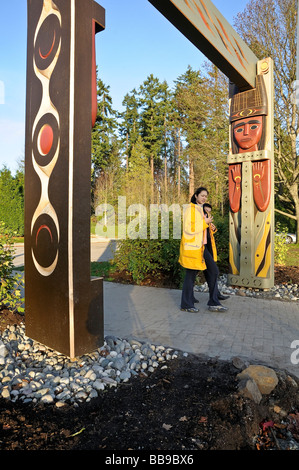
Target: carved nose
[246,129]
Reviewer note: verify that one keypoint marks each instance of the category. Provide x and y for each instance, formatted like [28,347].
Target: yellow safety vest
[192,242]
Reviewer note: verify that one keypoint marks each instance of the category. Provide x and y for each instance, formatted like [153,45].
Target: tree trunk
[152,178]
[127,160]
[179,164]
[191,177]
[165,179]
[179,179]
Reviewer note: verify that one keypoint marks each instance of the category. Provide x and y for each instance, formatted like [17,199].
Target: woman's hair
[206,204]
[199,190]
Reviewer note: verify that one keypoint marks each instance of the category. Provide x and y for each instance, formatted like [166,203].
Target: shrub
[10,282]
[280,246]
[222,241]
[12,200]
[154,257]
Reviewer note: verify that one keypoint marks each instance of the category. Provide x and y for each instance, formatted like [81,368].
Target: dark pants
[187,299]
[211,275]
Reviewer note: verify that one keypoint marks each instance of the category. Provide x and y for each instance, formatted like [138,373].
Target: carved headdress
[250,103]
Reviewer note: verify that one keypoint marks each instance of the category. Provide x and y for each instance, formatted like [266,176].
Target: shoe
[217,308]
[191,310]
[223,297]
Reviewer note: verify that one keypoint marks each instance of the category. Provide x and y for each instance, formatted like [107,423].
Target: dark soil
[286,274]
[193,404]
[283,275]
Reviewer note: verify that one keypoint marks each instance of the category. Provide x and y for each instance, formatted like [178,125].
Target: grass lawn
[18,240]
[292,257]
[102,269]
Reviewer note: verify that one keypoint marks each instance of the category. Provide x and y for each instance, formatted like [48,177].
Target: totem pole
[251,180]
[63,306]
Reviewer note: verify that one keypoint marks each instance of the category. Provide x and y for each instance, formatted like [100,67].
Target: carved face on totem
[247,133]
[248,111]
[248,127]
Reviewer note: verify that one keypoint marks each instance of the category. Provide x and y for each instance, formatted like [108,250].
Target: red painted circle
[46,137]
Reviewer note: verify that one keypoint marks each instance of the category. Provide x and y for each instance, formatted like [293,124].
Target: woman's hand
[208,219]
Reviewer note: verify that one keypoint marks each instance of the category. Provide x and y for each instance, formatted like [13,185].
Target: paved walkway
[259,330]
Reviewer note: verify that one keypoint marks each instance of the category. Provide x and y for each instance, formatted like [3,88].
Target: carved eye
[240,129]
[47,42]
[254,126]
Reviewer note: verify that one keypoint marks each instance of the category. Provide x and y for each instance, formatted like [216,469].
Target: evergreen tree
[215,138]
[129,127]
[192,113]
[106,149]
[153,95]
[138,181]
[104,138]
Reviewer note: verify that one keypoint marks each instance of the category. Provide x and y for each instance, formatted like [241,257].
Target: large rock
[265,378]
[249,389]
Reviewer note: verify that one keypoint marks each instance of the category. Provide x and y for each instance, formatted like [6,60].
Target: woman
[194,256]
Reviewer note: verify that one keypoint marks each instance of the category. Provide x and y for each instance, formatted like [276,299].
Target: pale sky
[137,41]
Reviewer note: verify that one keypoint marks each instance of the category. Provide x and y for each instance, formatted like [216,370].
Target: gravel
[32,373]
[288,292]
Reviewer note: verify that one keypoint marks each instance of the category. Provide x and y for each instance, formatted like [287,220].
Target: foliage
[280,246]
[150,257]
[129,126]
[105,145]
[12,200]
[191,108]
[10,283]
[222,240]
[137,183]
[153,107]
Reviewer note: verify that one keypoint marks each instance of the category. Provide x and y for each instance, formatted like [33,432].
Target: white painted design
[46,107]
[71,182]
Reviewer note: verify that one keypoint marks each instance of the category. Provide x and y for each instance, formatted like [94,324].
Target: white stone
[98,385]
[81,395]
[5,393]
[91,375]
[47,398]
[3,350]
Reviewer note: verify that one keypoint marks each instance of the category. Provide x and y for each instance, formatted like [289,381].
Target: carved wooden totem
[251,181]
[63,307]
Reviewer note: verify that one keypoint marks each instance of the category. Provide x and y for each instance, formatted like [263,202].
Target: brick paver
[257,330]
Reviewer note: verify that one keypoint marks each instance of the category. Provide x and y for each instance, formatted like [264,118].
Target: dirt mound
[190,405]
